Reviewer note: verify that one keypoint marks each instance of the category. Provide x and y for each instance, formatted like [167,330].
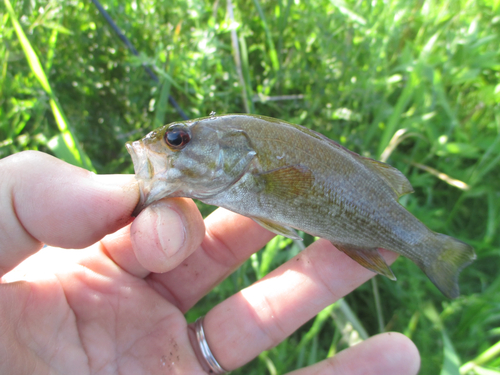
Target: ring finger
[264,314]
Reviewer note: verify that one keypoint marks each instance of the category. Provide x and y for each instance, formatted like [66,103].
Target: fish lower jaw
[152,191]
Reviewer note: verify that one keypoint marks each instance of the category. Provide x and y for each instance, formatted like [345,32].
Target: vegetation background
[413,82]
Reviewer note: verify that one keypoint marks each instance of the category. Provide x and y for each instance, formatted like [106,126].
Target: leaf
[162,103]
[342,7]
[58,27]
[59,147]
[31,56]
[451,362]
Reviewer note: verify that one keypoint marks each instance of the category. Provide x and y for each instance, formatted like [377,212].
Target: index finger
[47,201]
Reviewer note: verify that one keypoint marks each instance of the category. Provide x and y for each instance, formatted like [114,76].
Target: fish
[287,177]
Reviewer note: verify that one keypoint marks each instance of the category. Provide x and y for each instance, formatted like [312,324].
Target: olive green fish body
[288,177]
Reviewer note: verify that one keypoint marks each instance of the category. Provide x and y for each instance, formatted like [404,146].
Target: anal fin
[369,258]
[277,228]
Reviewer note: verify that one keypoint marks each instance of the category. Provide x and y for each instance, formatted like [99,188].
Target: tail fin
[446,258]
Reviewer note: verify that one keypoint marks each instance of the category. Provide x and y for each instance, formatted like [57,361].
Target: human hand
[117,305]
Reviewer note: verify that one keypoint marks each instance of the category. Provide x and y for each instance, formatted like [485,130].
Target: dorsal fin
[392,176]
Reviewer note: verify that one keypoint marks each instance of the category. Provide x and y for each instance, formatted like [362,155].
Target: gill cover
[210,160]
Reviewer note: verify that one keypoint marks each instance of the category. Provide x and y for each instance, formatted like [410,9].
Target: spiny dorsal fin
[392,176]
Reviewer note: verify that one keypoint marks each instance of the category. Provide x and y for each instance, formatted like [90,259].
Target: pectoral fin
[278,229]
[368,258]
[287,182]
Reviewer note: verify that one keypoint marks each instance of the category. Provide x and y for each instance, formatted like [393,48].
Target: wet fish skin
[287,177]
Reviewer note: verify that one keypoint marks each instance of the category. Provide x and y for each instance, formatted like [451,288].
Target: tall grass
[416,83]
[64,144]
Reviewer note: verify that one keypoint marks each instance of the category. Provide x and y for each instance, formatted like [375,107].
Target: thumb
[44,200]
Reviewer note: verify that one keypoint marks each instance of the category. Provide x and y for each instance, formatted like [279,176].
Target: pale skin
[116,306]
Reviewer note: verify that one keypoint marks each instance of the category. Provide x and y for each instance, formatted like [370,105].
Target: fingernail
[169,228]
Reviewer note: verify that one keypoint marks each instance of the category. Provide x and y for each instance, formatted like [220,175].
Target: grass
[413,82]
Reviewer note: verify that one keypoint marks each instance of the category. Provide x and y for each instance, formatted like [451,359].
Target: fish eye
[176,137]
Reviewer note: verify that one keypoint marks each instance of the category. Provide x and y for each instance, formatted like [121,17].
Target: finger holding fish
[179,230]
[187,271]
[229,240]
[161,237]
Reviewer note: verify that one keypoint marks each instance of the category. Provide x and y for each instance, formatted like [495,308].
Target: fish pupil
[177,137]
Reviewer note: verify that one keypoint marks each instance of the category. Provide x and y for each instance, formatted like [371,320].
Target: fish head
[195,159]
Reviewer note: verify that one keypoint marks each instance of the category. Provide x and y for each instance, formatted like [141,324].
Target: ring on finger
[203,352]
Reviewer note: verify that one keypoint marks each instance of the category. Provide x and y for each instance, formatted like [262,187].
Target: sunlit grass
[415,83]
[64,144]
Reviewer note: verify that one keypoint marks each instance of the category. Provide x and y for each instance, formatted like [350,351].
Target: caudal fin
[444,262]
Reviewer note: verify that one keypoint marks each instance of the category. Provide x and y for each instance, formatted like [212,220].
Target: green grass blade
[395,119]
[51,50]
[485,371]
[162,103]
[349,315]
[59,146]
[451,362]
[237,56]
[486,356]
[378,305]
[319,321]
[31,56]
[273,55]
[246,73]
[342,7]
[78,156]
[270,251]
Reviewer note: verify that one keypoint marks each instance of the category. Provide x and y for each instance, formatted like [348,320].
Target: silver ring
[211,363]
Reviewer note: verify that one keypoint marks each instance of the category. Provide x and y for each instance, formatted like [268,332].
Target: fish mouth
[150,174]
[144,172]
[142,166]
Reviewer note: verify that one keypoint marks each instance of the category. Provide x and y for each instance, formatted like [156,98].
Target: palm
[117,306]
[97,318]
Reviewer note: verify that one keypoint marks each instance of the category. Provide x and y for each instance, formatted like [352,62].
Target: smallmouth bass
[288,177]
